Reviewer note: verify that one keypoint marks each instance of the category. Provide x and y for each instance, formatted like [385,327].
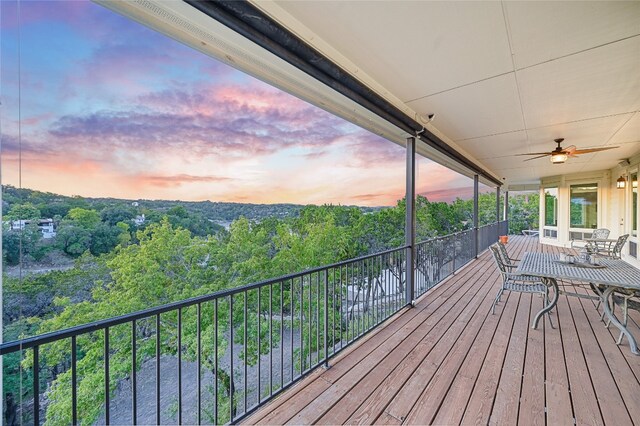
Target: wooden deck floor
[450,361]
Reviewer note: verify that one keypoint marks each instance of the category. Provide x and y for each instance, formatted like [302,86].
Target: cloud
[177,180]
[449,194]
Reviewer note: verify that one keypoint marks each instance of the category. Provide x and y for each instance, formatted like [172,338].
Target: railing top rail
[17,345]
[441,237]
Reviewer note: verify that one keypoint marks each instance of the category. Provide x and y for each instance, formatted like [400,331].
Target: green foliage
[118,213]
[73,239]
[22,242]
[179,254]
[25,211]
[524,212]
[85,218]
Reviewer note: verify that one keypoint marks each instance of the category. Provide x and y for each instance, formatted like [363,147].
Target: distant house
[139,220]
[46,226]
[135,204]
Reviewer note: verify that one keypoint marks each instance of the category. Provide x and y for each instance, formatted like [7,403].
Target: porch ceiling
[501,77]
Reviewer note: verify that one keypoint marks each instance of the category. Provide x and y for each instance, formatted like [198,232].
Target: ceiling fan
[559,155]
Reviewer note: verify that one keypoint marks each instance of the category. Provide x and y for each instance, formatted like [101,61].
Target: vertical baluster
[271,339]
[179,366]
[361,292]
[158,369]
[281,334]
[245,351]
[107,390]
[231,381]
[326,317]
[301,324]
[215,362]
[291,288]
[259,344]
[344,334]
[309,319]
[74,381]
[333,313]
[199,361]
[317,317]
[134,377]
[36,385]
[349,310]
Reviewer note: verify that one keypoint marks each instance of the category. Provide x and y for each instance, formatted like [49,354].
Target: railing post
[475,215]
[410,222]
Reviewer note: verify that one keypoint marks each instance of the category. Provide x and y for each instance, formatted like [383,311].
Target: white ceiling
[501,77]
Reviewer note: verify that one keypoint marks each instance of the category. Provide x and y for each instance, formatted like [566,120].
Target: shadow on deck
[450,361]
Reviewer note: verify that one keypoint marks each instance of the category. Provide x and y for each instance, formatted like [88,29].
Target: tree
[25,211]
[85,218]
[72,238]
[120,213]
[104,238]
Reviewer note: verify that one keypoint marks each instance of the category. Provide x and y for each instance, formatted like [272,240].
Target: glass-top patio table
[615,274]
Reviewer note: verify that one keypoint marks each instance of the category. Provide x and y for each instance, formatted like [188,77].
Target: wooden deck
[450,361]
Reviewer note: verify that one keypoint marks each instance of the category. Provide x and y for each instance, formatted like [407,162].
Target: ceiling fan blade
[536,153]
[570,149]
[588,150]
[540,156]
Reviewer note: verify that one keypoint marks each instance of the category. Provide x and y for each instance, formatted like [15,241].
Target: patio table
[616,274]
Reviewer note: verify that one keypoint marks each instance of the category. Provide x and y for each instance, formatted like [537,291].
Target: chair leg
[495,302]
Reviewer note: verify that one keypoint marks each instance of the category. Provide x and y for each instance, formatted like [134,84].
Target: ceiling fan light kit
[559,155]
[559,158]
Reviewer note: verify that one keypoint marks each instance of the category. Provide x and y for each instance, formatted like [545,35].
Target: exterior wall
[622,207]
[614,205]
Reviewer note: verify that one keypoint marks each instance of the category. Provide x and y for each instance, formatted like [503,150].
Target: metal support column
[498,205]
[475,214]
[505,214]
[410,222]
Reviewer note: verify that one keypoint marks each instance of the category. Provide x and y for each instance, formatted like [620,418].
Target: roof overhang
[502,77]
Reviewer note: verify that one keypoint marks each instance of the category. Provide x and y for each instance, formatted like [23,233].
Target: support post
[410,222]
[498,205]
[475,214]
[505,214]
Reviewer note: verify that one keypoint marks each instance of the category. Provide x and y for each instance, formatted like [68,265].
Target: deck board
[450,361]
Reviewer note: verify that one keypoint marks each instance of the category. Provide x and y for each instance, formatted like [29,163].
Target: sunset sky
[111,108]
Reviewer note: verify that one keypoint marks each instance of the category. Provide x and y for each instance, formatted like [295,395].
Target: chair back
[617,249]
[600,234]
[503,251]
[498,259]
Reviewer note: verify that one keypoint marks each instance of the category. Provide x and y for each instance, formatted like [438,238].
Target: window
[551,207]
[584,206]
[634,212]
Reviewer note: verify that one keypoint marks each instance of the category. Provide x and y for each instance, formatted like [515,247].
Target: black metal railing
[488,234]
[246,345]
[440,257]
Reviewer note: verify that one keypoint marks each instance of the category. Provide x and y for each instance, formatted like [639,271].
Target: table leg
[549,282]
[608,293]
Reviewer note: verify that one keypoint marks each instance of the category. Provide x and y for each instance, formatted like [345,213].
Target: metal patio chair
[612,251]
[509,262]
[516,282]
[595,246]
[600,234]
